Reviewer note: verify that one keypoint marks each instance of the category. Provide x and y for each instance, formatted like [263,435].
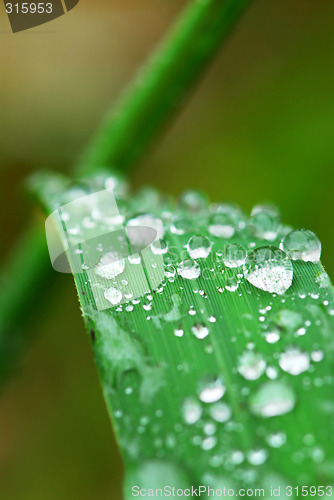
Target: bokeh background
[258,128]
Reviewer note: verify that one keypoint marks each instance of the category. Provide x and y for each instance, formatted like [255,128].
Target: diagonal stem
[162,84]
[125,134]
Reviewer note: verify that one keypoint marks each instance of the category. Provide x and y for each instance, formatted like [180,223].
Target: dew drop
[266,208]
[294,361]
[264,225]
[193,201]
[231,280]
[276,440]
[269,269]
[251,365]
[159,247]
[221,225]
[199,247]
[113,295]
[192,411]
[271,399]
[142,221]
[134,259]
[257,457]
[272,336]
[181,225]
[178,332]
[237,457]
[209,443]
[170,271]
[220,412]
[302,244]
[234,255]
[200,331]
[317,356]
[188,269]
[211,389]
[110,265]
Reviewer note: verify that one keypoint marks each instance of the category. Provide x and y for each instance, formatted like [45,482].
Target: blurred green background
[259,127]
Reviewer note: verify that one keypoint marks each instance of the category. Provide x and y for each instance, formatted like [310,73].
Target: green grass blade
[269,421]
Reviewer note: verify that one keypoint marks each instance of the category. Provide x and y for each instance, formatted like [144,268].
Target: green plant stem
[27,276]
[125,134]
[162,84]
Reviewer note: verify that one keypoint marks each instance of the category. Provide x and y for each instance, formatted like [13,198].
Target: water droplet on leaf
[269,269]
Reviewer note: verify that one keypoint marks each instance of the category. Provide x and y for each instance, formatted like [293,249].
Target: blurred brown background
[258,128]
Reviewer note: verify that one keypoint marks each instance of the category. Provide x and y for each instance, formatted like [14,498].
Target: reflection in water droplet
[264,225]
[269,269]
[170,271]
[188,269]
[220,412]
[192,411]
[234,255]
[272,335]
[257,457]
[193,201]
[181,225]
[211,389]
[271,399]
[294,361]
[209,443]
[178,332]
[159,247]
[317,356]
[200,331]
[276,440]
[221,225]
[302,244]
[113,295]
[251,365]
[199,247]
[110,265]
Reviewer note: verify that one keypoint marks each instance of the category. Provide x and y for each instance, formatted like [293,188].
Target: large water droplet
[200,331]
[269,269]
[220,412]
[181,225]
[211,389]
[145,220]
[271,399]
[234,255]
[159,247]
[231,280]
[257,457]
[170,271]
[264,225]
[266,208]
[276,440]
[193,201]
[251,365]
[192,411]
[110,265]
[302,244]
[294,361]
[199,247]
[221,225]
[113,295]
[188,269]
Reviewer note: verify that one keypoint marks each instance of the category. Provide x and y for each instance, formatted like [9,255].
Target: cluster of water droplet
[209,254]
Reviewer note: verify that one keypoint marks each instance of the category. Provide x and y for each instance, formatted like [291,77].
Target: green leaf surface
[264,362]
